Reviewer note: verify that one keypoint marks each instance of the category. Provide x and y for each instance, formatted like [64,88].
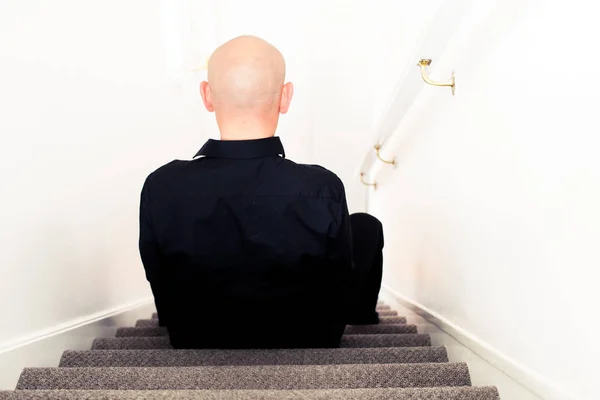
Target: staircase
[386,361]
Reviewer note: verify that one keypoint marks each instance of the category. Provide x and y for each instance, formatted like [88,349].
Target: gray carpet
[380,308]
[162,342]
[386,361]
[191,358]
[449,393]
[382,313]
[382,320]
[350,330]
[268,377]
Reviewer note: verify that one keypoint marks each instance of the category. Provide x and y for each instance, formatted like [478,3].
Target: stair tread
[384,310]
[442,393]
[385,320]
[350,330]
[375,340]
[279,377]
[183,358]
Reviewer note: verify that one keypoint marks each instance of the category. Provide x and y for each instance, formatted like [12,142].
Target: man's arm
[340,254]
[151,255]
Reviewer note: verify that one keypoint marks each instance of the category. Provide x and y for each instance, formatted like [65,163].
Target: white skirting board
[44,348]
[534,382]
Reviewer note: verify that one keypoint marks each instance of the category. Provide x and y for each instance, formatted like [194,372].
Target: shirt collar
[240,149]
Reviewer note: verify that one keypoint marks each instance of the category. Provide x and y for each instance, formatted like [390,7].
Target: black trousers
[367,238]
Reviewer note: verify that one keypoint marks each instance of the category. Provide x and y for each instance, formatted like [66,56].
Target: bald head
[246,88]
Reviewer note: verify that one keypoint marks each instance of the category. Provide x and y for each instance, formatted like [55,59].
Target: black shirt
[243,240]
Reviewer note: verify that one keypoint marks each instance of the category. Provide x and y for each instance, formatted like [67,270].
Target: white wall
[95,95]
[492,217]
[88,108]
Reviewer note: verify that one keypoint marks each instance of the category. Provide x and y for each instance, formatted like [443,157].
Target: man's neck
[243,137]
[245,133]
[246,128]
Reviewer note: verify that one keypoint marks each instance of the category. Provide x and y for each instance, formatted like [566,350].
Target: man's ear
[207,96]
[287,92]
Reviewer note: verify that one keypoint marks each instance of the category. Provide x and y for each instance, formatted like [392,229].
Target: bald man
[244,248]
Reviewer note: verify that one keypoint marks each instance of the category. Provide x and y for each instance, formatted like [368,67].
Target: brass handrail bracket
[423,64]
[377,149]
[362,180]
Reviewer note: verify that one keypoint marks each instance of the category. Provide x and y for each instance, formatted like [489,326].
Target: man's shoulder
[327,183]
[167,171]
[321,172]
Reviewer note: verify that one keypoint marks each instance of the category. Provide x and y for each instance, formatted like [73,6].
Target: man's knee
[365,221]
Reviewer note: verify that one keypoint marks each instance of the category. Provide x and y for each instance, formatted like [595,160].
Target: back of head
[246,88]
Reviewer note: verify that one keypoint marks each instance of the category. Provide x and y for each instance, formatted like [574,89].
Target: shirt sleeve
[341,255]
[341,250]
[148,245]
[151,255]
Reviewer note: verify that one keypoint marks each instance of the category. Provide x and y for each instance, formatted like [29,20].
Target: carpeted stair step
[380,329]
[387,313]
[279,377]
[379,308]
[381,312]
[352,341]
[193,358]
[447,393]
[392,320]
[382,321]
[350,330]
